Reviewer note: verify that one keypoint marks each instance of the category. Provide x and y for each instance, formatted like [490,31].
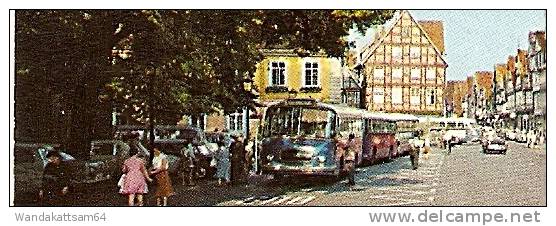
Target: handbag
[121,181]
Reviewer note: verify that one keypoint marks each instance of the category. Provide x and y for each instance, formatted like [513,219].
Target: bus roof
[346,111]
[447,120]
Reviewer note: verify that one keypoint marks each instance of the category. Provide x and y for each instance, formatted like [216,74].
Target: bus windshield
[299,121]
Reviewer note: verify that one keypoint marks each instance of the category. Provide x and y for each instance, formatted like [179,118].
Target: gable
[405,25]
[435,30]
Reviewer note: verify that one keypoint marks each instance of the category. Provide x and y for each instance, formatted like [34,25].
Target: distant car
[494,143]
[511,135]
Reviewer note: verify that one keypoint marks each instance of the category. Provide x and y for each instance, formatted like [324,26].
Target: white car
[511,135]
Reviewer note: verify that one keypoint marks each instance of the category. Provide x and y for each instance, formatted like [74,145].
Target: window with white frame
[397,97]
[235,121]
[397,53]
[431,73]
[379,73]
[431,97]
[199,121]
[415,73]
[415,97]
[311,74]
[378,95]
[415,52]
[277,73]
[397,73]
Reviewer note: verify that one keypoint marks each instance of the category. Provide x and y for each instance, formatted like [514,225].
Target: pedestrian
[427,147]
[55,180]
[531,138]
[238,157]
[188,163]
[447,139]
[414,151]
[349,158]
[160,171]
[222,162]
[135,179]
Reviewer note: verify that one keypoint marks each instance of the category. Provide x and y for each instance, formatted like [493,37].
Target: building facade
[537,69]
[523,92]
[483,96]
[404,69]
[283,74]
[455,95]
[468,101]
[500,97]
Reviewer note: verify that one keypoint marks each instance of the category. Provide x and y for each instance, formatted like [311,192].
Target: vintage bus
[463,129]
[407,133]
[380,137]
[305,137]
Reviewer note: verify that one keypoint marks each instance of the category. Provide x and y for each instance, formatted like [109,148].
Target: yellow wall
[295,70]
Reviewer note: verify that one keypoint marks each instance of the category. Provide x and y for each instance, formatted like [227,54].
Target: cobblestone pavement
[465,177]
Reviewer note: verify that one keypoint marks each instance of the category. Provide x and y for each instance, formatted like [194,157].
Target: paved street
[472,178]
[464,177]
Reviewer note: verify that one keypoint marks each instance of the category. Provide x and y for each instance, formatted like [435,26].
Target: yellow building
[280,75]
[283,74]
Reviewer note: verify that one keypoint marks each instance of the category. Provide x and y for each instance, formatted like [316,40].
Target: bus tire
[277,176]
[390,155]
[374,159]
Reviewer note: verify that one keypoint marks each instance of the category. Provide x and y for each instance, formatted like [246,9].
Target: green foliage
[165,63]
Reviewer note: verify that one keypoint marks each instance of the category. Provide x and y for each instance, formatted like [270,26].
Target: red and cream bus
[306,137]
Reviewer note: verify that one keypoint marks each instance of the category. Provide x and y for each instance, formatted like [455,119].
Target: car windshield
[300,121]
[43,152]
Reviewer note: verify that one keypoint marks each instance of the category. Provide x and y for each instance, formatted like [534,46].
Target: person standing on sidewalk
[160,171]
[134,182]
[55,180]
[238,158]
[222,162]
[350,159]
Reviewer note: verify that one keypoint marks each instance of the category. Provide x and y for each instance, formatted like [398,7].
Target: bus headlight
[269,157]
[321,159]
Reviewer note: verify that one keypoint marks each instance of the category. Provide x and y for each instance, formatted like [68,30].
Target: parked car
[493,141]
[31,160]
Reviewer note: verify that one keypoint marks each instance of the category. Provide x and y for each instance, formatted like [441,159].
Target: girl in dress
[134,182]
[163,183]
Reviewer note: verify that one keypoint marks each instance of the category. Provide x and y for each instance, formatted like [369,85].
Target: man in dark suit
[55,180]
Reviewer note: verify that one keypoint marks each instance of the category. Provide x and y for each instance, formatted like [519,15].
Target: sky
[476,40]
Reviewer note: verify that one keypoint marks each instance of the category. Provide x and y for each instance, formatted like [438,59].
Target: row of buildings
[402,69]
[511,96]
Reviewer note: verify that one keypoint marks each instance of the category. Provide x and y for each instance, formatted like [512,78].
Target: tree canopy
[156,65]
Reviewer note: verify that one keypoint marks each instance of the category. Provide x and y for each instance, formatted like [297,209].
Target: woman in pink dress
[134,183]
